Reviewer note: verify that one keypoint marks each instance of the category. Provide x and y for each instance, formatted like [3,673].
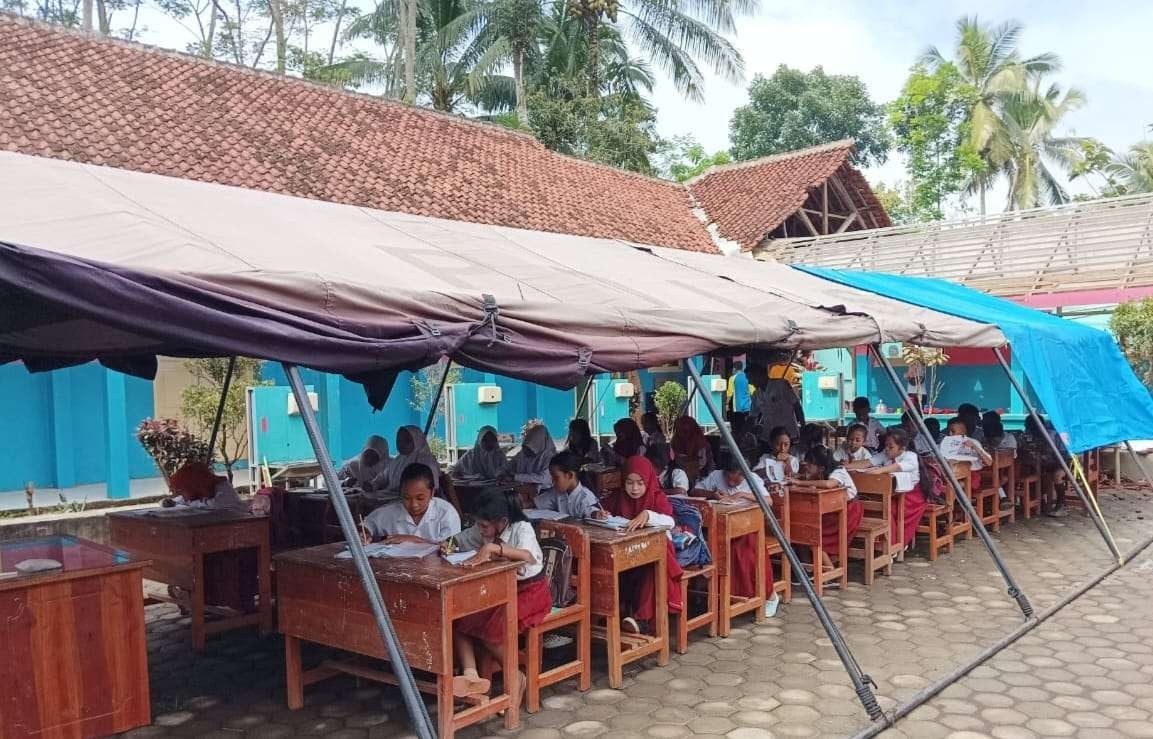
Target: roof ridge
[616,170]
[139,46]
[771,158]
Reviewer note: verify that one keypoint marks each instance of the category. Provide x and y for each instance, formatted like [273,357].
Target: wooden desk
[734,520]
[602,480]
[807,508]
[615,552]
[73,658]
[463,494]
[177,545]
[321,599]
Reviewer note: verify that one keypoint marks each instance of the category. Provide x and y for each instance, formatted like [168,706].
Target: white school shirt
[715,483]
[910,473]
[680,480]
[874,431]
[1008,442]
[519,535]
[577,504]
[974,460]
[841,476]
[439,522]
[768,461]
[844,456]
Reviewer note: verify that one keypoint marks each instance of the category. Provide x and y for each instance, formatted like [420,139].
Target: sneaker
[1060,512]
[771,605]
[555,641]
[629,625]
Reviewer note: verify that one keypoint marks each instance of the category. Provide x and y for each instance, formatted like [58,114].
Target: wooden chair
[986,498]
[572,617]
[873,539]
[782,571]
[1027,481]
[1003,476]
[961,525]
[694,575]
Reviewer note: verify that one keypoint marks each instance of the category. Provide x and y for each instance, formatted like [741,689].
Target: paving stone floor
[1087,672]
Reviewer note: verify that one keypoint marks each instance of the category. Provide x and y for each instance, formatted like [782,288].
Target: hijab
[358,473]
[480,461]
[580,439]
[688,437]
[629,439]
[654,499]
[389,478]
[194,481]
[539,441]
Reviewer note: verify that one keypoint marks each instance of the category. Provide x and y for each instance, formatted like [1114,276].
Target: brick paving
[1087,672]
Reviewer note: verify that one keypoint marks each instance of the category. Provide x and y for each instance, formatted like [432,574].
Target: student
[921,443]
[651,429]
[934,427]
[567,495]
[1053,482]
[197,485]
[674,480]
[728,482]
[873,427]
[411,448]
[739,394]
[581,443]
[419,516]
[897,460]
[501,533]
[971,415]
[360,471]
[690,444]
[485,460]
[775,402]
[644,503]
[530,463]
[629,441]
[821,471]
[778,463]
[996,437]
[853,454]
[978,460]
[812,435]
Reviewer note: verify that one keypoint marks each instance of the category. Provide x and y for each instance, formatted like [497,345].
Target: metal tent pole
[1136,461]
[416,708]
[582,404]
[1099,523]
[862,683]
[978,526]
[220,408]
[447,365]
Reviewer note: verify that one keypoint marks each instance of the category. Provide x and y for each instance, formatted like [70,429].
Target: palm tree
[1133,170]
[992,68]
[669,33]
[516,25]
[458,58]
[1028,120]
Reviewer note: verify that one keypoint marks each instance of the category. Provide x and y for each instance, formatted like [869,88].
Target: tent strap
[416,708]
[974,518]
[1095,513]
[862,683]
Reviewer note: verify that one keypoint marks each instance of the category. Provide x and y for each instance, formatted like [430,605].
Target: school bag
[932,479]
[558,570]
[688,541]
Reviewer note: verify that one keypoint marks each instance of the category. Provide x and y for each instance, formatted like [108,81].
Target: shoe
[555,641]
[771,605]
[629,625]
[466,685]
[1061,512]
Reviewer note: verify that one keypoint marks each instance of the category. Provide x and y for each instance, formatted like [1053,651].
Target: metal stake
[220,408]
[416,709]
[1100,524]
[447,365]
[862,683]
[978,526]
[1136,461]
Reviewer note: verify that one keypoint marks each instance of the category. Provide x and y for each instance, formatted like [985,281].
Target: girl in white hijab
[360,471]
[531,463]
[485,459]
[411,447]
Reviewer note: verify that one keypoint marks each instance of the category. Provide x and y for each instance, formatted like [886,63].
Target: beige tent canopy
[101,263]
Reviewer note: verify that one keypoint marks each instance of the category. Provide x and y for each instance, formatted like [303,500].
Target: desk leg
[445,705]
[511,667]
[295,682]
[843,547]
[613,634]
[662,625]
[901,529]
[264,563]
[818,570]
[762,564]
[724,587]
[197,606]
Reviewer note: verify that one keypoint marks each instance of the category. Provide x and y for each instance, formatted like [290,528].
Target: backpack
[558,570]
[932,479]
[689,544]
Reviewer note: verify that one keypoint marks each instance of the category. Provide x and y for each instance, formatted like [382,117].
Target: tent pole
[583,402]
[220,408]
[915,413]
[446,364]
[414,703]
[862,683]
[1136,461]
[1052,443]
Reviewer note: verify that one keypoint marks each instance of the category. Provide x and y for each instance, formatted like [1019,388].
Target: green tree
[794,109]
[991,67]
[1132,324]
[683,158]
[1133,171]
[516,25]
[1031,148]
[930,126]
[670,399]
[199,401]
[423,385]
[897,202]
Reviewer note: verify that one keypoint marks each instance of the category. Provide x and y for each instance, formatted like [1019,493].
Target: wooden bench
[687,623]
[944,523]
[875,534]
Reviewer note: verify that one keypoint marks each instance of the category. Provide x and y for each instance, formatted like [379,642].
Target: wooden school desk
[806,510]
[734,520]
[612,553]
[321,599]
[73,658]
[177,541]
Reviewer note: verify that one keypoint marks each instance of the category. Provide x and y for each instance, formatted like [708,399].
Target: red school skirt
[743,567]
[830,541]
[639,588]
[915,505]
[533,603]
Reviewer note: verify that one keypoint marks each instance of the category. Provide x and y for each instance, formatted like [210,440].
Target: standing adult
[741,398]
[775,404]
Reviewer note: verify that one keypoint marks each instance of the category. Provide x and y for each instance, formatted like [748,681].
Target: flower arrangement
[170,446]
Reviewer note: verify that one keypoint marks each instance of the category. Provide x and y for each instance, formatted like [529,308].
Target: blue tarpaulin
[1078,373]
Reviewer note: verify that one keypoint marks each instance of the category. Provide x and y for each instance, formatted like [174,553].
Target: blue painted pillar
[63,439]
[116,418]
[861,379]
[331,415]
[1016,403]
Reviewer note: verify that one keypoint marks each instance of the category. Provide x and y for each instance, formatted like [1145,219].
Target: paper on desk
[405,550]
[175,512]
[458,557]
[612,522]
[543,514]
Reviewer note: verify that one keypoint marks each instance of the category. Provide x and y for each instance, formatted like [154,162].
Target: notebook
[459,557]
[405,550]
[543,514]
[612,522]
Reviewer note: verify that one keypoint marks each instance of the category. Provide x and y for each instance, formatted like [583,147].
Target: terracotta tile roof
[748,200]
[71,96]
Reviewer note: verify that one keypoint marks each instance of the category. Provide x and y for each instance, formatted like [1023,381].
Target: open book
[612,522]
[405,550]
[543,514]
